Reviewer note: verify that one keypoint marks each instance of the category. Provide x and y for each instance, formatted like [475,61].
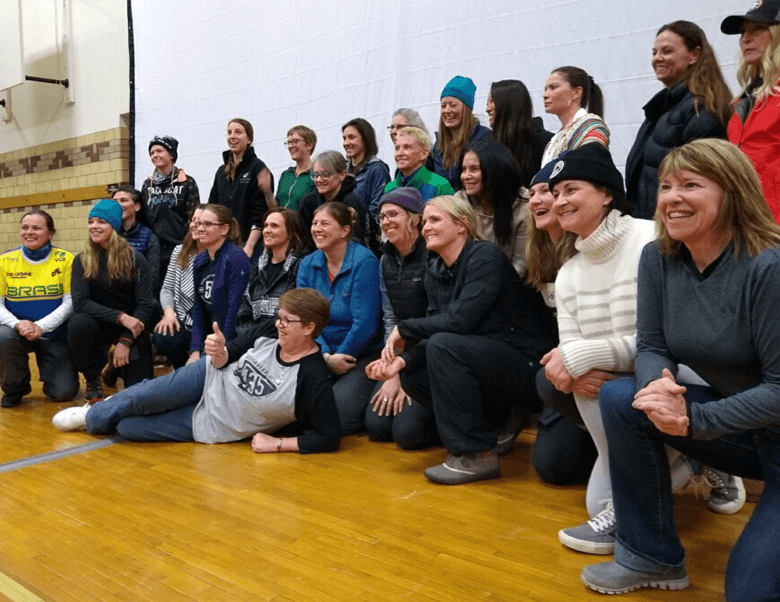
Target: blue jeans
[646,538]
[153,410]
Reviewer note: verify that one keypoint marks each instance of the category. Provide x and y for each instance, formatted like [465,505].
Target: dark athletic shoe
[94,391]
[457,470]
[614,578]
[11,401]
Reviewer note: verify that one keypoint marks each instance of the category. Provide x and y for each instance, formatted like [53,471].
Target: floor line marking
[60,453]
[16,592]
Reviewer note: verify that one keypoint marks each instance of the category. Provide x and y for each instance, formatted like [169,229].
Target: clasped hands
[663,402]
[390,363]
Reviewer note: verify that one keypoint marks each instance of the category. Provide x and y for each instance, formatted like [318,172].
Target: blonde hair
[120,259]
[418,134]
[744,215]
[451,142]
[458,210]
[543,256]
[768,68]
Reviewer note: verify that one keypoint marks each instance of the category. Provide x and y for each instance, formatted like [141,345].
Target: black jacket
[242,195]
[104,300]
[670,121]
[404,278]
[481,294]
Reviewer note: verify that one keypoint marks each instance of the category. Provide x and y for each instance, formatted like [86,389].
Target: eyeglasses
[284,322]
[202,224]
[321,175]
[293,142]
[397,127]
[389,215]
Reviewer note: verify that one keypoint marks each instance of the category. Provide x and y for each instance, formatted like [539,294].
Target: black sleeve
[82,296]
[243,342]
[144,298]
[153,261]
[315,407]
[259,204]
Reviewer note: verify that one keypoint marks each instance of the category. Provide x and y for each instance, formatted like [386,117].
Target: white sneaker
[71,419]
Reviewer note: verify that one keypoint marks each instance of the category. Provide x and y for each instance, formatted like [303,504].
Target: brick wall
[64,178]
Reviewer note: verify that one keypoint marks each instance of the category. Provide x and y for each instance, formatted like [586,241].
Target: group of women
[652,345]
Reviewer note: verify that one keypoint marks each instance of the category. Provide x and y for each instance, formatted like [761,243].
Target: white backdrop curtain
[200,63]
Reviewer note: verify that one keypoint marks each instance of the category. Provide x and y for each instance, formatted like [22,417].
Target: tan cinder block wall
[70,219]
[64,178]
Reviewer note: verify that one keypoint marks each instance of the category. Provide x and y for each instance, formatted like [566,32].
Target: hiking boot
[94,391]
[614,578]
[110,374]
[71,419]
[728,492]
[457,470]
[594,536]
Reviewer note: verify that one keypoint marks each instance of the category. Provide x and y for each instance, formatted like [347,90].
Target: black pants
[89,340]
[564,452]
[471,383]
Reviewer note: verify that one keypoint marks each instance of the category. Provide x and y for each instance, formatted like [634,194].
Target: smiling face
[395,224]
[540,204]
[211,234]
[580,206]
[328,182]
[34,232]
[440,231]
[275,235]
[671,58]
[129,206]
[293,333]
[559,95]
[99,231]
[327,232]
[753,41]
[299,149]
[689,205]
[398,122]
[161,158]
[490,109]
[451,112]
[409,154]
[354,148]
[237,138]
[194,221]
[471,174]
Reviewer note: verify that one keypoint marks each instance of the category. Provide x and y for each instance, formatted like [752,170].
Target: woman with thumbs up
[269,384]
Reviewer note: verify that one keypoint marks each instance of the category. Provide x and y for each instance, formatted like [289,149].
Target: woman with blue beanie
[457,127]
[112,300]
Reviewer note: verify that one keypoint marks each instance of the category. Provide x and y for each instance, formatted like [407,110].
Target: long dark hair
[513,125]
[501,183]
[592,99]
[292,222]
[704,78]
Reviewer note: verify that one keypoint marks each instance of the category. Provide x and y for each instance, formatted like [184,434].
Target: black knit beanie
[592,163]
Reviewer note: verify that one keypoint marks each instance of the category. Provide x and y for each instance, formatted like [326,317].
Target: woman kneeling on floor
[268,384]
[708,293]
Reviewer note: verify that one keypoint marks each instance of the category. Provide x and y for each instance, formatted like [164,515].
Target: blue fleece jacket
[354,326]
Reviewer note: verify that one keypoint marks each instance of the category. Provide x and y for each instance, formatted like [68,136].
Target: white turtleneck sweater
[595,294]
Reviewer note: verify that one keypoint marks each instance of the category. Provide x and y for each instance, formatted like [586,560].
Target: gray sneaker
[728,492]
[518,420]
[457,470]
[594,536]
[614,578]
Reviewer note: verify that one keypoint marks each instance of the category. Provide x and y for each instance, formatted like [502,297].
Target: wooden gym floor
[179,521]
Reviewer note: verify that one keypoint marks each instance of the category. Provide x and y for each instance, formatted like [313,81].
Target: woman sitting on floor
[267,385]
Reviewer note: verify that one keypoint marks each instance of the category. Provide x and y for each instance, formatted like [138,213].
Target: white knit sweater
[595,294]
